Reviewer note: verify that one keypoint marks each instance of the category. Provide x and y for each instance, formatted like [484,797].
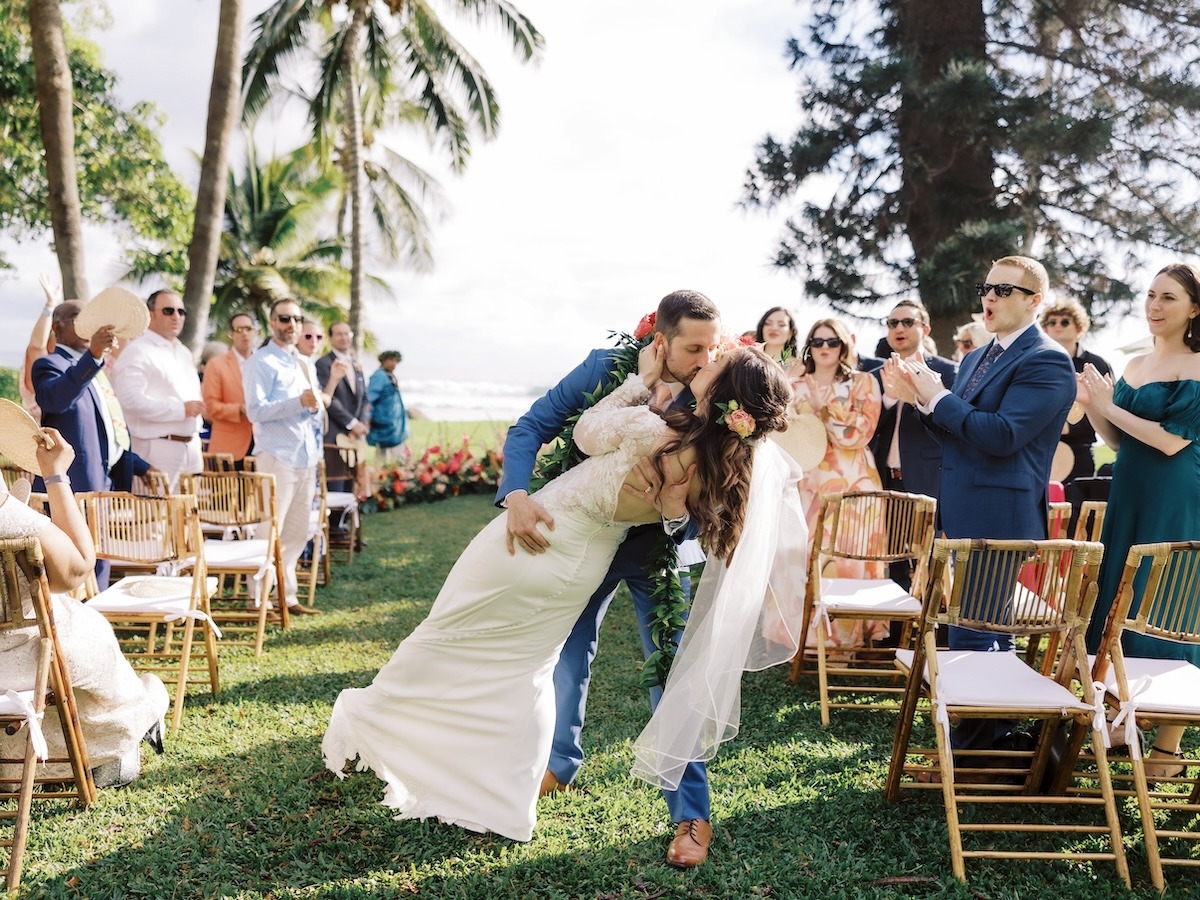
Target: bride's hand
[669,497]
[651,359]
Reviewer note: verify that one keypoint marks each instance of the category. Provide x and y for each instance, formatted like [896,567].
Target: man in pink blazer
[224,397]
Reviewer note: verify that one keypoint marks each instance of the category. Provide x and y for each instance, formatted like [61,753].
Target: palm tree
[210,194]
[278,239]
[390,43]
[54,94]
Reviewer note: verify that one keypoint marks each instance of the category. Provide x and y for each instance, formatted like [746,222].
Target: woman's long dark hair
[723,458]
[790,343]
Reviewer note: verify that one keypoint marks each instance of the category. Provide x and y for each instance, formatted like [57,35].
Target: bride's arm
[602,427]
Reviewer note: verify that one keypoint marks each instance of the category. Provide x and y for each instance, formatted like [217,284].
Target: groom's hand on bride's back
[522,530]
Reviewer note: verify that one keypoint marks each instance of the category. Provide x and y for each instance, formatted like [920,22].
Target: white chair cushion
[235,554]
[340,500]
[165,595]
[1173,686]
[999,679]
[10,707]
[878,595]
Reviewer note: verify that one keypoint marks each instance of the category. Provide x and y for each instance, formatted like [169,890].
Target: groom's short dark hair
[679,305]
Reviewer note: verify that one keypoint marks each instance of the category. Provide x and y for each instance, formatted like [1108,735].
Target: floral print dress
[850,410]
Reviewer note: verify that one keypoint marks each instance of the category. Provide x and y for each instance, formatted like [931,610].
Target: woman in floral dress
[848,402]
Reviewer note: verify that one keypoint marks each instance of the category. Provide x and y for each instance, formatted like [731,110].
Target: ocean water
[469,401]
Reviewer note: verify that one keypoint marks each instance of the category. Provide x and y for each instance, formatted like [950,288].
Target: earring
[1188,334]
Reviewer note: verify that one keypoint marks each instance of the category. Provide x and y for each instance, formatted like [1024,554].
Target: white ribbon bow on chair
[32,722]
[1128,715]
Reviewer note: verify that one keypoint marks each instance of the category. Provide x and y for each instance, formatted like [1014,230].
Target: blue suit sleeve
[55,390]
[546,419]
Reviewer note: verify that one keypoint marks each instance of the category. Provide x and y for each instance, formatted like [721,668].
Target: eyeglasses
[1063,323]
[313,337]
[965,344]
[288,320]
[1002,290]
[907,323]
[173,310]
[243,329]
[834,342]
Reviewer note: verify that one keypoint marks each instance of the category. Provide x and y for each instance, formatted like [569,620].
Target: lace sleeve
[602,428]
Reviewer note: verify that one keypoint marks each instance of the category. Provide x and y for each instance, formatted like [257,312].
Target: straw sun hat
[113,306]
[804,441]
[17,433]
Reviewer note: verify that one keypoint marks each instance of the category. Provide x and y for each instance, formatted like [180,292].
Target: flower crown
[737,419]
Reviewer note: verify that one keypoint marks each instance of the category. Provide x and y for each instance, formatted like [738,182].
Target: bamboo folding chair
[881,526]
[155,617]
[974,584]
[241,507]
[25,603]
[218,462]
[1058,515]
[1159,597]
[1091,520]
[341,464]
[316,570]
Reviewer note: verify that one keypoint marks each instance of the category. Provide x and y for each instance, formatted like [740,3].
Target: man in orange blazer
[224,397]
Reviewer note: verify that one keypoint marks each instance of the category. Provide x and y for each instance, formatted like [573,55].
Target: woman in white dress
[459,723]
[117,708]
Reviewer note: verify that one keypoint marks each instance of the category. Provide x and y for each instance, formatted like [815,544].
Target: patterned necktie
[992,355]
[120,429]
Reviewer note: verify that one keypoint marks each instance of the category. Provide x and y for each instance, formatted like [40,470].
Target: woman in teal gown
[1152,417]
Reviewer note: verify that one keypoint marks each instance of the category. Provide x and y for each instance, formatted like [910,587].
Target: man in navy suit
[74,395]
[687,324]
[999,428]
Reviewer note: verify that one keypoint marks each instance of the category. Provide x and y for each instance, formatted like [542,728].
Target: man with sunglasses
[909,458]
[159,390]
[284,404]
[999,427]
[224,397]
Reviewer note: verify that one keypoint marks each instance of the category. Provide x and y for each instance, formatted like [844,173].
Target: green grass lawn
[241,806]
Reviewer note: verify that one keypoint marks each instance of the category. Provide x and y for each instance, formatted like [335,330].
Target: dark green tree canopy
[122,174]
[938,135]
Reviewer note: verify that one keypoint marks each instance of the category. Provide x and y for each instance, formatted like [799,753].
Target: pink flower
[645,326]
[425,478]
[741,423]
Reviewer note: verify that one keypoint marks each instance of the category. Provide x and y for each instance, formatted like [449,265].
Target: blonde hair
[1072,308]
[1031,267]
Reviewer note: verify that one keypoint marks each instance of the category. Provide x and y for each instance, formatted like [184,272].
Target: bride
[458,724]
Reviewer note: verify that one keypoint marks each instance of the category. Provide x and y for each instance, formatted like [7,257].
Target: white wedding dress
[459,722]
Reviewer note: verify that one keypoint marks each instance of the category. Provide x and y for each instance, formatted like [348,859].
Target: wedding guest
[41,342]
[460,721]
[347,406]
[1152,417]
[389,418]
[224,394]
[848,403]
[1067,322]
[159,390]
[776,335]
[967,338]
[117,708]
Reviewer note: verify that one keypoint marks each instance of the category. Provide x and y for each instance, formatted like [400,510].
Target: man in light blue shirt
[284,405]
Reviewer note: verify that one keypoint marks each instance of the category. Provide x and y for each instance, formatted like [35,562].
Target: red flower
[397,486]
[425,478]
[747,340]
[645,326]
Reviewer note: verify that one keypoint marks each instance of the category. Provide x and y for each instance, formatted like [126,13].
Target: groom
[688,326]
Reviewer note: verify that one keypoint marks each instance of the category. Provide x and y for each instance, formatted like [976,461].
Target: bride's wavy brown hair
[723,459]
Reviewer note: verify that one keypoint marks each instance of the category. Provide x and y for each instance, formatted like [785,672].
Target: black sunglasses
[1002,290]
[825,342]
[288,320]
[1065,322]
[896,323]
[172,310]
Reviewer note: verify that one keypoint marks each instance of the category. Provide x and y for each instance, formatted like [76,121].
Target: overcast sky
[614,180]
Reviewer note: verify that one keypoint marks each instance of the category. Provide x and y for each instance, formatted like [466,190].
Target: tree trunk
[353,170]
[948,158]
[55,100]
[223,111]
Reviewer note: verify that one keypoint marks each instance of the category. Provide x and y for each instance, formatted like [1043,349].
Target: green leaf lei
[670,604]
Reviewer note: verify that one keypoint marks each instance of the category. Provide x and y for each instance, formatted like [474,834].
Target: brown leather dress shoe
[299,610]
[550,784]
[690,847]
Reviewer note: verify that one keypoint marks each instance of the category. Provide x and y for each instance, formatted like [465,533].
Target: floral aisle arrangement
[437,474]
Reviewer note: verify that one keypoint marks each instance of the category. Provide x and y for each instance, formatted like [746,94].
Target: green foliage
[931,144]
[240,805]
[10,380]
[121,171]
